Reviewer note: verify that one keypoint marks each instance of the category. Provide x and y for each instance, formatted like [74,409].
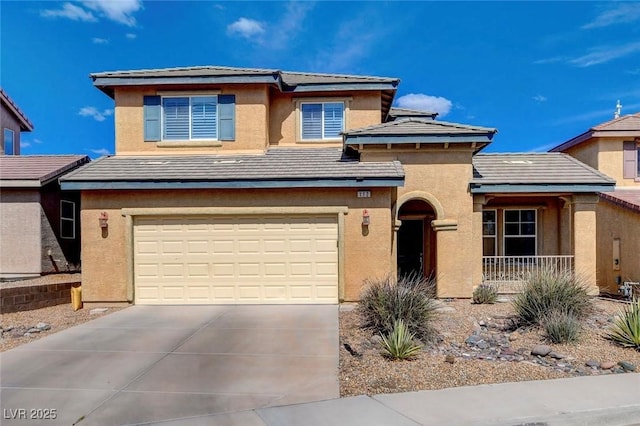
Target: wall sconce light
[366,219]
[104,218]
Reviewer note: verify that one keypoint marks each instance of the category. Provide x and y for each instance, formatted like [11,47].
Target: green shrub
[410,299]
[626,326]
[561,327]
[547,292]
[485,293]
[400,343]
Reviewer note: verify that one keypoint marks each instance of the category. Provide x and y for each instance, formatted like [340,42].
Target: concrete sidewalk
[597,400]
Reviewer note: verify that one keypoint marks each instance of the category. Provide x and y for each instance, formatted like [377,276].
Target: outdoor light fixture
[365,218]
[104,218]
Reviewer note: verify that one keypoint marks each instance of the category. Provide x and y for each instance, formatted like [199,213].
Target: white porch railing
[508,273]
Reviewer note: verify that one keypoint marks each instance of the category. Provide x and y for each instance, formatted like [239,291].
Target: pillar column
[584,239]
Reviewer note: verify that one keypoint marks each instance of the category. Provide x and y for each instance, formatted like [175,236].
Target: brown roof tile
[628,198]
[39,169]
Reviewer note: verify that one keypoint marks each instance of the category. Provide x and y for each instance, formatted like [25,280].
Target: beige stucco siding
[251,127]
[605,155]
[363,109]
[106,255]
[444,177]
[615,222]
[20,218]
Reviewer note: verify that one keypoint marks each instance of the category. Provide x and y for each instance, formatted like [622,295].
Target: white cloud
[24,144]
[93,112]
[69,11]
[247,28]
[552,60]
[120,11]
[539,98]
[619,13]
[38,141]
[289,25]
[424,102]
[131,36]
[98,40]
[604,54]
[101,151]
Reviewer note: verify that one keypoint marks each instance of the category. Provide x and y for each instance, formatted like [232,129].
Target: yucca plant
[547,292]
[400,343]
[561,327]
[485,293]
[625,330]
[409,298]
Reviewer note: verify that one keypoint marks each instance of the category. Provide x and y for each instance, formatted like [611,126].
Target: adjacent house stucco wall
[605,155]
[20,233]
[9,121]
[616,222]
[106,255]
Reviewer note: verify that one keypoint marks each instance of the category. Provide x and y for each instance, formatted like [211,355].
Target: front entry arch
[416,238]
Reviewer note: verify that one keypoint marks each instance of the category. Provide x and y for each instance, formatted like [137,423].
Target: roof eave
[332,87]
[404,139]
[236,184]
[509,188]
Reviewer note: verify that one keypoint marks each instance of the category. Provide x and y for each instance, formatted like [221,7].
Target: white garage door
[199,260]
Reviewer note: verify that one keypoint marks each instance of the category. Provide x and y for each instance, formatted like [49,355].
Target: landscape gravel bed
[479,344]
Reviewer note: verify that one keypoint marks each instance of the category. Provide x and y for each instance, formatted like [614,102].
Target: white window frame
[6,131]
[322,103]
[495,228]
[504,230]
[68,219]
[190,97]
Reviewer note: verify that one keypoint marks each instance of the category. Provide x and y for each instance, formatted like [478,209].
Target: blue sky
[539,72]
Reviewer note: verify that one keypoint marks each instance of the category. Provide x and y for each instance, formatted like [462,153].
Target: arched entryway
[416,239]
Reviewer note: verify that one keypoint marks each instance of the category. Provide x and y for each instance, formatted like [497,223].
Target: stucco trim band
[444,225]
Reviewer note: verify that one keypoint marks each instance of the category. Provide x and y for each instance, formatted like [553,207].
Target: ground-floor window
[520,232]
[489,233]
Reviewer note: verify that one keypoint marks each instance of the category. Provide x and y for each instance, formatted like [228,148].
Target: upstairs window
[519,232]
[9,142]
[190,118]
[323,120]
[631,160]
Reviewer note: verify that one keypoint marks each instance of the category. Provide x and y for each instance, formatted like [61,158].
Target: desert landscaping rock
[556,355]
[627,366]
[607,365]
[592,363]
[96,311]
[541,350]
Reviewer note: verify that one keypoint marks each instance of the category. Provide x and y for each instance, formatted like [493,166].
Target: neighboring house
[613,148]
[12,122]
[235,185]
[39,225]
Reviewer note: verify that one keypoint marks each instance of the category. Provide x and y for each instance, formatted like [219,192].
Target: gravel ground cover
[452,362]
[45,320]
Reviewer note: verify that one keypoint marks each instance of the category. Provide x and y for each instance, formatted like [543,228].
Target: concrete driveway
[153,363]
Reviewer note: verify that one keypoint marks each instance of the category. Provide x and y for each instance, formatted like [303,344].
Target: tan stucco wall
[105,256]
[445,175]
[584,238]
[605,155]
[362,109]
[617,222]
[251,123]
[20,233]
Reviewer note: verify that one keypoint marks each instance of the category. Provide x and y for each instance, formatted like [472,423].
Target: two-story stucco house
[235,185]
[613,148]
[12,122]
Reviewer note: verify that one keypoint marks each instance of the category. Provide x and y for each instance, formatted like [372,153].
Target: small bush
[400,344]
[410,299]
[626,326]
[548,292]
[561,327]
[485,293]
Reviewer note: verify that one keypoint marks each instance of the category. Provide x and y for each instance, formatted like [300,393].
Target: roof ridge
[323,74]
[616,120]
[187,68]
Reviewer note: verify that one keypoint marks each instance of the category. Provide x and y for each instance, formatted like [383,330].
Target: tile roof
[535,169]
[419,126]
[25,124]
[629,198]
[36,170]
[395,113]
[623,126]
[312,165]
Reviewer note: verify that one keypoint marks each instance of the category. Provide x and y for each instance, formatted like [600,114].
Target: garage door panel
[279,259]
